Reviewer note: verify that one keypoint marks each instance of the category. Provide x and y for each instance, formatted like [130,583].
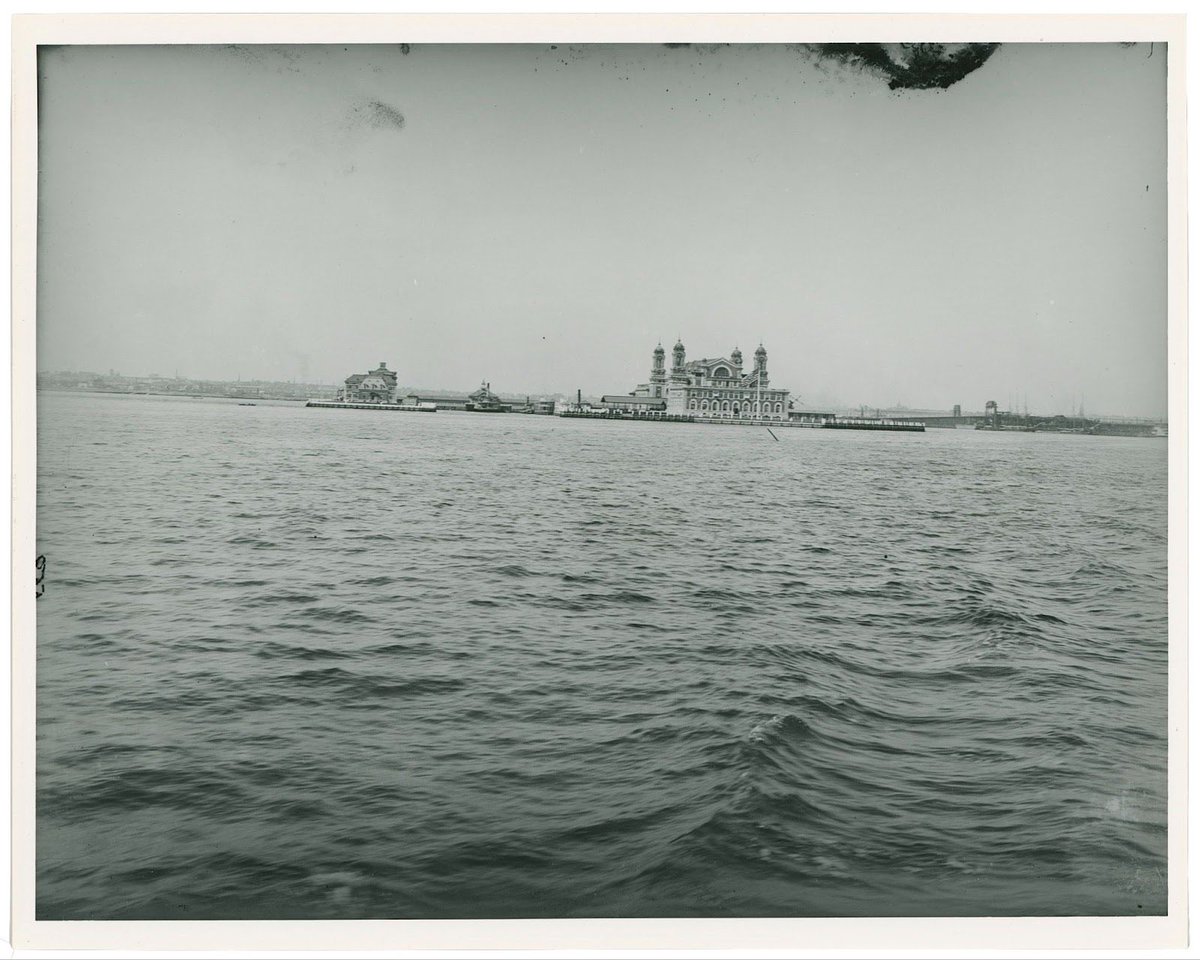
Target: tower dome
[760,363]
[659,364]
[736,357]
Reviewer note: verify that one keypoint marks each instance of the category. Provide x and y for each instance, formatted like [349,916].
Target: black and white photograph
[595,480]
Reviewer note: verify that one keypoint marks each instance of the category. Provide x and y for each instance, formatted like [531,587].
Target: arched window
[721,373]
[691,404]
[779,408]
[725,406]
[735,410]
[703,404]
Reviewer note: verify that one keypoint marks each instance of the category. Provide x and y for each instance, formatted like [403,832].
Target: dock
[402,407]
[855,423]
[813,422]
[627,415]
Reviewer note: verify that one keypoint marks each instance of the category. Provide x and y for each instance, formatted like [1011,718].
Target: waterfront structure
[481,400]
[370,405]
[443,399]
[484,401]
[712,388]
[378,386]
[542,405]
[633,403]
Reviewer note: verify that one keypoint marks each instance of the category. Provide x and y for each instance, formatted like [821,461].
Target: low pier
[402,407]
[756,422]
[853,423]
[810,422]
[626,415]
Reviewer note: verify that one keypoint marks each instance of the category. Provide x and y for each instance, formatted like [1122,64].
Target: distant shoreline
[885,414]
[173,393]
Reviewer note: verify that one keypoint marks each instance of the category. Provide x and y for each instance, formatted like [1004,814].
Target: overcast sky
[542,217]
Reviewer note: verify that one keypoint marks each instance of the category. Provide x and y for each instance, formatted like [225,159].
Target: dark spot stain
[281,58]
[913,66]
[404,48]
[377,115]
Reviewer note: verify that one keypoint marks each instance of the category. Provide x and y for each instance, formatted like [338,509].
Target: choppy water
[317,663]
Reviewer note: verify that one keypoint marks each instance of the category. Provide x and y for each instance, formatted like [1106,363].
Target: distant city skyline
[542,216]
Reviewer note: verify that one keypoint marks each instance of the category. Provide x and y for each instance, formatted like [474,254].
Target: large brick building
[378,386]
[709,388]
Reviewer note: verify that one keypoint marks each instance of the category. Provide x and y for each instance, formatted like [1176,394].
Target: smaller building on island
[481,401]
[484,401]
[442,399]
[378,386]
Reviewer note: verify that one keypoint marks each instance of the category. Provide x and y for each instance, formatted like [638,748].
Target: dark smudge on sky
[377,114]
[905,66]
[916,66]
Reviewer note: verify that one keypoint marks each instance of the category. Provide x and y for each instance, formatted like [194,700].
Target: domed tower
[677,355]
[677,384]
[760,361]
[736,359]
[658,372]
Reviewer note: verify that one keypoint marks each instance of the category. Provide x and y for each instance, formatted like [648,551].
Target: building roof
[436,395]
[630,398]
[708,362]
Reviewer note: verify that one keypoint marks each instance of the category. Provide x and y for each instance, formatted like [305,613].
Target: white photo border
[1128,933]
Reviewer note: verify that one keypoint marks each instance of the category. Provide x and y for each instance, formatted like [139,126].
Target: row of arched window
[746,395]
[728,408]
